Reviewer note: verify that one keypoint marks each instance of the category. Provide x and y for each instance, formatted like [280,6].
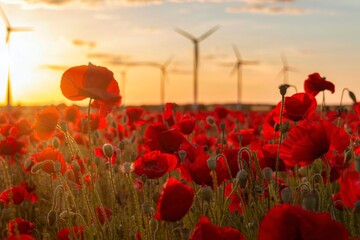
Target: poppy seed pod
[210,120]
[286,195]
[283,88]
[242,177]
[211,163]
[57,167]
[127,167]
[182,155]
[267,173]
[122,145]
[51,218]
[222,126]
[146,207]
[76,165]
[108,150]
[56,142]
[309,202]
[206,193]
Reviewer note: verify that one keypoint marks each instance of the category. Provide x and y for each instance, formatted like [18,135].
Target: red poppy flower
[67,234]
[11,147]
[310,141]
[169,113]
[175,201]
[315,84]
[204,230]
[267,157]
[243,137]
[80,82]
[31,189]
[133,114]
[350,188]
[221,112]
[72,114]
[284,222]
[97,122]
[23,226]
[159,137]
[18,194]
[186,124]
[20,237]
[50,153]
[155,164]
[45,123]
[103,214]
[24,127]
[299,106]
[235,202]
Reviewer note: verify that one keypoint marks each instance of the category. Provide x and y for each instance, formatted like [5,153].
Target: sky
[313,35]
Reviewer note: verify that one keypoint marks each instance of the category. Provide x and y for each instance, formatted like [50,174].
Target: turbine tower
[9,30]
[196,56]
[286,69]
[238,68]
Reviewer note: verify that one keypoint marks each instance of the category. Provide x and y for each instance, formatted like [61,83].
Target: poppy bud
[276,127]
[182,155]
[56,142]
[51,218]
[309,202]
[154,224]
[210,120]
[348,155]
[242,177]
[57,167]
[97,161]
[27,163]
[352,96]
[211,163]
[127,167]
[286,195]
[206,193]
[283,88]
[65,215]
[108,150]
[285,126]
[357,164]
[222,126]
[39,166]
[122,145]
[63,126]
[267,173]
[75,165]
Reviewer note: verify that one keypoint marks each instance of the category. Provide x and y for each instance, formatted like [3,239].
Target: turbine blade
[208,33]
[237,52]
[235,68]
[6,20]
[223,64]
[21,29]
[168,61]
[185,34]
[250,62]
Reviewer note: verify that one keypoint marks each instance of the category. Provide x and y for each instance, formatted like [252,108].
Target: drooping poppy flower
[174,201]
[96,82]
[186,124]
[299,106]
[18,194]
[310,141]
[72,114]
[133,114]
[22,225]
[315,84]
[284,222]
[103,214]
[45,123]
[159,137]
[221,112]
[68,234]
[155,164]
[205,230]
[350,188]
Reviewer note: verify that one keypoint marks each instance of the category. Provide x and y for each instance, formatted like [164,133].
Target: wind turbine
[238,68]
[286,69]
[9,30]
[196,56]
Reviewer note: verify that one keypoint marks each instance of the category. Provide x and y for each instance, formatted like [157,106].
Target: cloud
[261,8]
[83,43]
[54,67]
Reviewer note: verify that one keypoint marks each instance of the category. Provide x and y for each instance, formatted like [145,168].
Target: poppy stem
[280,142]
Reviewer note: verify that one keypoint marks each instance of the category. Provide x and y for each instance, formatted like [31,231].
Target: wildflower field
[109,172]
